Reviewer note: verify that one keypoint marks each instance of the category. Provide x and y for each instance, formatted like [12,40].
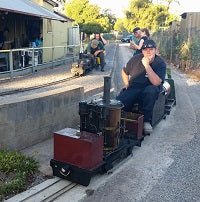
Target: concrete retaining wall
[33,118]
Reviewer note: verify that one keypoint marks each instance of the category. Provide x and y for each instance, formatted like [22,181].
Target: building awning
[27,7]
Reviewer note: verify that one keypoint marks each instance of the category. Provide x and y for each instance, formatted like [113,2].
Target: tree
[76,9]
[168,2]
[145,14]
[111,18]
[119,25]
[88,16]
[90,28]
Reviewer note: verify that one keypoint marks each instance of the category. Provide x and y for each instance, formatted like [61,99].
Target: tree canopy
[88,16]
[146,14]
[142,13]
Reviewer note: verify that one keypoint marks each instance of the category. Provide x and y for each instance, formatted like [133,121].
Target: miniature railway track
[51,192]
[59,193]
[20,90]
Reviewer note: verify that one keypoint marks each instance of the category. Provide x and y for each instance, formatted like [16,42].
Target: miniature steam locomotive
[84,64]
[107,134]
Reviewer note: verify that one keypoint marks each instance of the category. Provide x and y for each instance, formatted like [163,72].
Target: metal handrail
[11,69]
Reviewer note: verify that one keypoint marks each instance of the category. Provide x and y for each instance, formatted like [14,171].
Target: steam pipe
[107,86]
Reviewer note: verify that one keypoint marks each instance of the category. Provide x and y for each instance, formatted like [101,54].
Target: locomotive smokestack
[107,86]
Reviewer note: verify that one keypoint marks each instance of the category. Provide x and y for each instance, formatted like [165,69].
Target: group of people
[142,76]
[95,48]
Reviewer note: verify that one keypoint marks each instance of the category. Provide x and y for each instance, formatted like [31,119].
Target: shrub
[15,168]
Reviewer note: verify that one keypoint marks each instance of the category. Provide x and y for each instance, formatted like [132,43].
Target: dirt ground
[195,74]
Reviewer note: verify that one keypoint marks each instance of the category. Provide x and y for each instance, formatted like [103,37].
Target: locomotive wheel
[108,166]
[129,151]
[102,170]
[105,168]
[124,154]
[75,74]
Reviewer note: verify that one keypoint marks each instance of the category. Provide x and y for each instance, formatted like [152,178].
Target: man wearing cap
[142,77]
[95,48]
[135,39]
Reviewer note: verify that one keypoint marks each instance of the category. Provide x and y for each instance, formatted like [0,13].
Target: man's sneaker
[147,128]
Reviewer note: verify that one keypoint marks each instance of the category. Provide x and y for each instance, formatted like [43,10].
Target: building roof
[64,16]
[28,7]
[52,2]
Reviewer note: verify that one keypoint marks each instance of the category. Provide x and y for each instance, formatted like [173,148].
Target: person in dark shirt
[99,37]
[142,77]
[3,37]
[144,36]
[96,49]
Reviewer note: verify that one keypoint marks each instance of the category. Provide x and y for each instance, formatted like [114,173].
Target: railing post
[52,56]
[65,54]
[33,60]
[11,64]
[73,52]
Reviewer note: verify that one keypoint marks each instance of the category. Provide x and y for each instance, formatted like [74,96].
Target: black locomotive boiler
[107,134]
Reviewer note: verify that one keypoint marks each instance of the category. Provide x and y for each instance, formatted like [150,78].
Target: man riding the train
[142,77]
[96,49]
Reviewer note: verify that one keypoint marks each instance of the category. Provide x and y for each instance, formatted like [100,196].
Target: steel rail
[41,190]
[19,90]
[59,193]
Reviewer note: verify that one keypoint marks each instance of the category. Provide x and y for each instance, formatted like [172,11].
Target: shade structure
[27,7]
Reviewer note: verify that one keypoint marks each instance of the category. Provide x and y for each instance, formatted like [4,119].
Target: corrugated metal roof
[28,7]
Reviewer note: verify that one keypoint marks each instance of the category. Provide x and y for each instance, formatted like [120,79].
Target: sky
[118,6]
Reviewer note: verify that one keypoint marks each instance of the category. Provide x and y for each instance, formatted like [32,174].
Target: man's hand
[123,89]
[132,47]
[97,52]
[145,61]
[152,76]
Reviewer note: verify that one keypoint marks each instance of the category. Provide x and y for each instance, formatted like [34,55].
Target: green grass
[15,169]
